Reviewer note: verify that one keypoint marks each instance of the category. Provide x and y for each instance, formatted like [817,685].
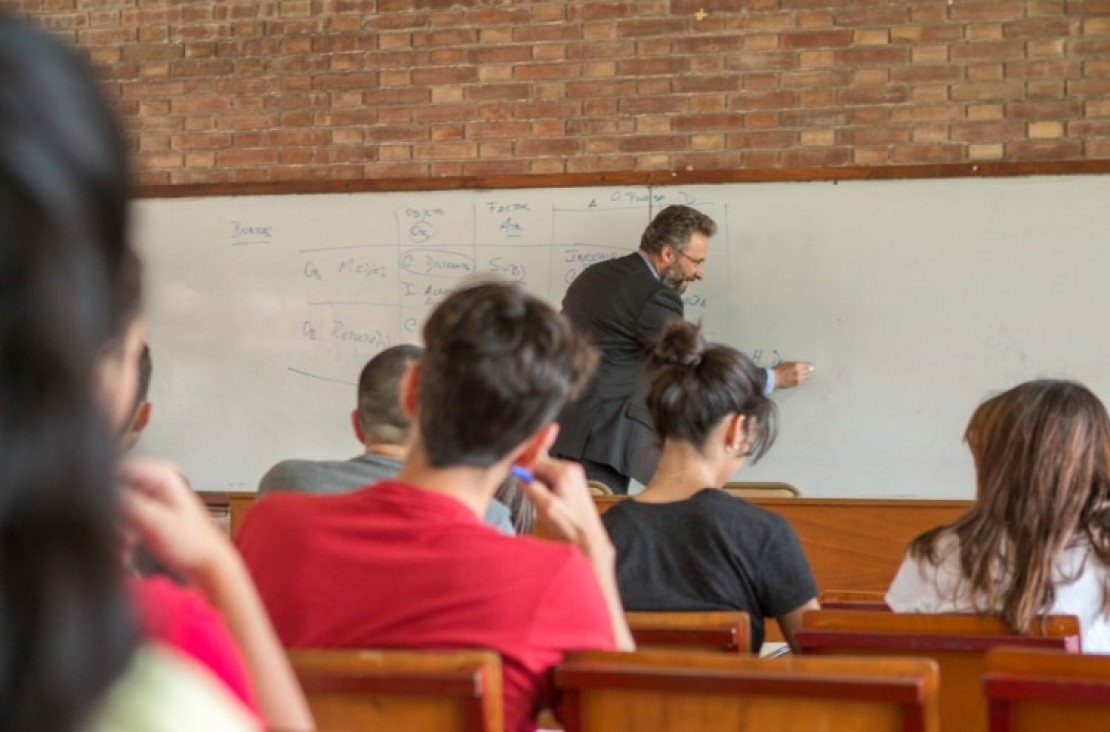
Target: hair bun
[680,344]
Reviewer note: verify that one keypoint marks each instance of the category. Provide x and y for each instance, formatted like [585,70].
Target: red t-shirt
[396,566]
[180,617]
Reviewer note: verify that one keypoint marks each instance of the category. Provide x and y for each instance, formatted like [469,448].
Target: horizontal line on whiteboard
[355,302]
[321,378]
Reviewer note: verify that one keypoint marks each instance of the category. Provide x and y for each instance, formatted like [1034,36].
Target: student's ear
[142,417]
[538,444]
[356,425]
[410,390]
[735,434]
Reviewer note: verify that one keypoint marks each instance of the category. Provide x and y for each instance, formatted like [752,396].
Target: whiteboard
[916,299]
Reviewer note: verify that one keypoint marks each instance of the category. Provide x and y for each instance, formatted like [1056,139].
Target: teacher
[622,305]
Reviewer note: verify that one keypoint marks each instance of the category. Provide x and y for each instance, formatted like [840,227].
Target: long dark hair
[696,385]
[1042,463]
[68,282]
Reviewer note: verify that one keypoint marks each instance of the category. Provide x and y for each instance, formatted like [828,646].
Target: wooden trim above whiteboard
[637,178]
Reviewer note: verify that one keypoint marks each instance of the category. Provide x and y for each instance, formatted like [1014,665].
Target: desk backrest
[1046,691]
[761,489]
[657,691]
[399,691]
[853,600]
[728,631]
[957,642]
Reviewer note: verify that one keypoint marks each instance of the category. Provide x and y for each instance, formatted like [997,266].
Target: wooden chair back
[728,631]
[597,488]
[853,600]
[761,489]
[957,642]
[1043,691]
[398,691]
[662,691]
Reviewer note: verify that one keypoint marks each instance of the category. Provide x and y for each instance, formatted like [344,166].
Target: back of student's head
[1042,458]
[69,281]
[695,386]
[498,364]
[1042,461]
[380,415]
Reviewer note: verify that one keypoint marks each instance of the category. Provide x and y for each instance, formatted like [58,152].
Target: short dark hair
[696,385]
[379,395]
[674,226]
[498,364]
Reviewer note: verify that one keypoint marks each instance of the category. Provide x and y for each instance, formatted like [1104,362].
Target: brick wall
[346,89]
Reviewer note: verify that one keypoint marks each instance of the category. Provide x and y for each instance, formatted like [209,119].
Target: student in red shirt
[409,563]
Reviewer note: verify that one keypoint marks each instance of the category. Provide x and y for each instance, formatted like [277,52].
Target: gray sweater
[321,477]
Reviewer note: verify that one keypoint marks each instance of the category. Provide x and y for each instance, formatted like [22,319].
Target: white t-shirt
[1079,578]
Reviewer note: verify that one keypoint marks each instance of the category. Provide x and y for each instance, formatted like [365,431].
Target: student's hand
[792,373]
[562,498]
[162,510]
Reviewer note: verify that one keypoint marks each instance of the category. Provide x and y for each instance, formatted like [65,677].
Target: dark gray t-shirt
[712,551]
[342,476]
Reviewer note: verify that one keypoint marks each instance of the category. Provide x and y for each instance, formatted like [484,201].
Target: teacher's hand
[792,373]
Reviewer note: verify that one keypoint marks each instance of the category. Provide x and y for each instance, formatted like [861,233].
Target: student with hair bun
[683,544]
[1037,540]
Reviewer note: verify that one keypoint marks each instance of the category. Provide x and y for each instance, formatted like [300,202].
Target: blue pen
[522,474]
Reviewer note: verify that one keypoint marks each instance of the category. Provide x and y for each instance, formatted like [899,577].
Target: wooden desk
[228,508]
[852,544]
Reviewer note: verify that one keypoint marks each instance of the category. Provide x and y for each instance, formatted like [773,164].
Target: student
[683,544]
[408,563]
[382,427]
[1037,540]
[73,655]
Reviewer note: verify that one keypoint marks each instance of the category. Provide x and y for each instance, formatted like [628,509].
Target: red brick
[651,66]
[699,123]
[600,163]
[772,100]
[924,154]
[873,56]
[1063,109]
[816,39]
[488,168]
[602,126]
[816,157]
[986,131]
[863,136]
[1045,149]
[654,105]
[723,160]
[698,84]
[541,33]
[813,118]
[931,73]
[1002,51]
[497,130]
[874,95]
[546,147]
[773,139]
[498,91]
[246,158]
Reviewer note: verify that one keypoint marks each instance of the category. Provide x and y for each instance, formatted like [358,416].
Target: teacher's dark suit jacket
[621,306]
